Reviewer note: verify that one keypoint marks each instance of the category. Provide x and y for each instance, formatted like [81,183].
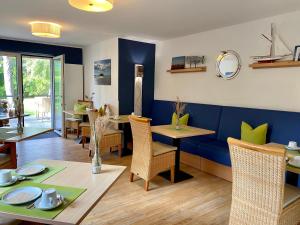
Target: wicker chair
[112,138]
[259,193]
[149,158]
[74,123]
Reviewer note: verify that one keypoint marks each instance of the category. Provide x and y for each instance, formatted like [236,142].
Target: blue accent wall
[72,55]
[131,53]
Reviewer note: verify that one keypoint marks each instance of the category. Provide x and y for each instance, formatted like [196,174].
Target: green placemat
[49,172]
[70,194]
[180,129]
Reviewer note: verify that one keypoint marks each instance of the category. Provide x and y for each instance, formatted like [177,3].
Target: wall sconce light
[138,88]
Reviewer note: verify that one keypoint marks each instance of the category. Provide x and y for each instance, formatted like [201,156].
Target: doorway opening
[36,80]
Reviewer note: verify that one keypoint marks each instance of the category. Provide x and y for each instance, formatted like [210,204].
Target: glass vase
[19,126]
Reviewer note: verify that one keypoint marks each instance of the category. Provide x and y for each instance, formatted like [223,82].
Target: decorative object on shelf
[45,29]
[92,5]
[178,63]
[297,53]
[189,70]
[277,64]
[228,64]
[18,111]
[179,110]
[194,61]
[99,124]
[278,49]
[102,72]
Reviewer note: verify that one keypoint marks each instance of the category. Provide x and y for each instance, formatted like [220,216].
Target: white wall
[73,80]
[267,88]
[107,49]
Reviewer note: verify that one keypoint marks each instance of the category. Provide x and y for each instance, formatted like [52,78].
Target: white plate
[293,163]
[22,195]
[30,170]
[292,149]
[59,202]
[13,180]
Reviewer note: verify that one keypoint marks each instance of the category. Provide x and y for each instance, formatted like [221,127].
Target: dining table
[176,135]
[122,121]
[88,190]
[290,154]
[7,116]
[9,136]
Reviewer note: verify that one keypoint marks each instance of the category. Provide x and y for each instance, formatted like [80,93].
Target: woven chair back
[142,146]
[258,183]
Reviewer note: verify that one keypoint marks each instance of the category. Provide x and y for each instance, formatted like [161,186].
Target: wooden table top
[6,116]
[8,134]
[72,112]
[290,154]
[183,132]
[122,119]
[96,184]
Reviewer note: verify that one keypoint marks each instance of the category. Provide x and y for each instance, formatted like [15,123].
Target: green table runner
[171,127]
[70,194]
[49,172]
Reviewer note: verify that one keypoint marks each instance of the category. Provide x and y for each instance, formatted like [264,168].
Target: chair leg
[78,131]
[172,174]
[131,177]
[66,133]
[146,185]
[120,150]
[83,141]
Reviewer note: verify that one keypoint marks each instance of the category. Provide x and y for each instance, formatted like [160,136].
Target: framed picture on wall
[102,72]
[178,62]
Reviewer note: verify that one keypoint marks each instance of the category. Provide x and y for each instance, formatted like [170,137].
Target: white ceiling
[147,19]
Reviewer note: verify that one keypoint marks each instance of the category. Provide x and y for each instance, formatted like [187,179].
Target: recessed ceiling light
[92,5]
[45,29]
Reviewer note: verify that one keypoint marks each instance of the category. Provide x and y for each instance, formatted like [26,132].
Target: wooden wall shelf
[189,70]
[278,64]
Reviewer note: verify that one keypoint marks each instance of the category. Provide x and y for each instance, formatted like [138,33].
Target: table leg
[179,174]
[125,127]
[13,153]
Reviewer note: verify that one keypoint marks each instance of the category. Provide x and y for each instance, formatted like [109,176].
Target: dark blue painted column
[131,53]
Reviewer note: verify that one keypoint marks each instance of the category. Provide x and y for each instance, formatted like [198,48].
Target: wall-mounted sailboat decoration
[278,49]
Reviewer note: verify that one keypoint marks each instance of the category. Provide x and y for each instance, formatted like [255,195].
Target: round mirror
[228,64]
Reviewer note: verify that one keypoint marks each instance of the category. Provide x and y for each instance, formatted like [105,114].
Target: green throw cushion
[79,108]
[255,136]
[182,120]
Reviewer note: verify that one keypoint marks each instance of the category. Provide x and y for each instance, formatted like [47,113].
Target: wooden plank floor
[203,200]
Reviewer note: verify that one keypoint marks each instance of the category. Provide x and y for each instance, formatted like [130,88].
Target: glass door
[36,80]
[9,75]
[58,94]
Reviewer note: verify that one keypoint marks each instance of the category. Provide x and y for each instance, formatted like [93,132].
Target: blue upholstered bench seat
[212,149]
[226,122]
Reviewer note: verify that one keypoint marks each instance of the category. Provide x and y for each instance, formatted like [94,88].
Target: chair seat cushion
[4,158]
[160,148]
[84,124]
[73,120]
[210,149]
[291,194]
[112,131]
